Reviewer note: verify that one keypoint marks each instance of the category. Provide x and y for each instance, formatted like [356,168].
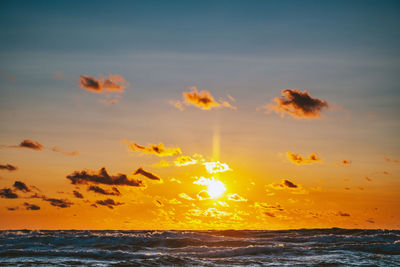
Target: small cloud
[21,186]
[203,100]
[158,203]
[175,180]
[343,214]
[297,104]
[7,193]
[299,159]
[99,190]
[158,150]
[77,194]
[12,208]
[389,160]
[346,162]
[203,195]
[270,214]
[112,83]
[368,179]
[185,196]
[370,220]
[31,206]
[60,203]
[236,197]
[385,173]
[162,164]
[215,167]
[289,184]
[27,143]
[110,203]
[184,161]
[8,167]
[72,153]
[7,76]
[58,76]
[102,177]
[147,174]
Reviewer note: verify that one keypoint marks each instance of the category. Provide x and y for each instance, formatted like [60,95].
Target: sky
[199,114]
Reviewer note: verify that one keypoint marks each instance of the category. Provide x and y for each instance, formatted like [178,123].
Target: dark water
[318,247]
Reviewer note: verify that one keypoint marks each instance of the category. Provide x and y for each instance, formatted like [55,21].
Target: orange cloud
[236,197]
[112,83]
[346,162]
[184,161]
[158,150]
[147,174]
[27,143]
[286,184]
[297,104]
[8,167]
[299,159]
[200,99]
[185,196]
[72,153]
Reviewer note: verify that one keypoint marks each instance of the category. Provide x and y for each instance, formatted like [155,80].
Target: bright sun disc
[215,189]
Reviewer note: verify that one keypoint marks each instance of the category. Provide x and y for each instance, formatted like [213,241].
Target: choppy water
[318,247]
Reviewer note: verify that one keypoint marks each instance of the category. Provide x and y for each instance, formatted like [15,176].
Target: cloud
[102,177]
[289,184]
[185,196]
[7,76]
[97,189]
[31,206]
[203,195]
[215,167]
[368,179]
[286,184]
[297,104]
[27,143]
[270,214]
[299,159]
[77,194]
[12,208]
[343,214]
[184,161]
[158,150]
[346,162]
[112,83]
[236,197]
[72,153]
[108,203]
[162,163]
[60,203]
[7,193]
[388,160]
[147,174]
[8,167]
[21,186]
[203,100]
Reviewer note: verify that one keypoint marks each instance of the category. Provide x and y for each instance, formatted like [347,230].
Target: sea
[303,247]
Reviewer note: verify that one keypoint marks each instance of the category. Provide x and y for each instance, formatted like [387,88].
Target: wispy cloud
[147,174]
[297,104]
[300,160]
[8,167]
[200,99]
[99,190]
[110,203]
[102,177]
[236,197]
[72,153]
[112,83]
[159,150]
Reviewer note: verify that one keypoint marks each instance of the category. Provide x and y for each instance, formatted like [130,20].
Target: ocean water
[317,247]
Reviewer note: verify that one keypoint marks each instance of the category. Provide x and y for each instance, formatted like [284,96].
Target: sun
[216,189]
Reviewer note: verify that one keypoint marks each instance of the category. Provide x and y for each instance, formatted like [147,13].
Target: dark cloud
[12,208]
[108,203]
[299,159]
[77,194]
[289,184]
[147,174]
[297,104]
[343,214]
[72,153]
[60,203]
[7,193]
[158,150]
[370,220]
[346,162]
[203,100]
[97,189]
[102,177]
[21,186]
[112,83]
[8,167]
[368,179]
[270,214]
[31,206]
[27,143]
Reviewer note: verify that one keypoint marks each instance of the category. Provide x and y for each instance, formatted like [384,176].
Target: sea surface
[316,247]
